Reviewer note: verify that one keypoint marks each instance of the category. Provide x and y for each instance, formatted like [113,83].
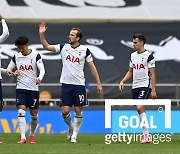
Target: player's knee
[140,109]
[21,113]
[34,117]
[65,112]
[66,115]
[78,115]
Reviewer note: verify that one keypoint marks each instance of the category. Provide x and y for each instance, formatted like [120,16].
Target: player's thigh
[66,95]
[135,93]
[141,93]
[33,99]
[144,93]
[79,95]
[21,97]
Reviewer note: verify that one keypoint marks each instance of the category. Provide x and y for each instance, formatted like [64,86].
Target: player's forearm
[41,70]
[44,43]
[127,77]
[153,82]
[11,66]
[5,33]
[97,79]
[3,70]
[95,74]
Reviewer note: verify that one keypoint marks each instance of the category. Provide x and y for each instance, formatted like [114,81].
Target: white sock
[22,122]
[77,125]
[34,121]
[68,121]
[144,128]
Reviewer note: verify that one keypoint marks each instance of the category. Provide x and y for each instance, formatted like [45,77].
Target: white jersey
[73,60]
[27,66]
[3,37]
[141,62]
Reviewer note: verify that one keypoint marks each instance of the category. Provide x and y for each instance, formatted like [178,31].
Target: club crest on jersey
[73,59]
[26,68]
[138,66]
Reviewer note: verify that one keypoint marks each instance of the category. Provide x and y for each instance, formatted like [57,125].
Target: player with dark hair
[142,68]
[27,63]
[72,78]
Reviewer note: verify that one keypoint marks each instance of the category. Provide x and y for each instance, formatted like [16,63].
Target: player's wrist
[122,82]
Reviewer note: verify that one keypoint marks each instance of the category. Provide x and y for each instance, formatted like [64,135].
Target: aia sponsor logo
[73,59]
[26,68]
[138,66]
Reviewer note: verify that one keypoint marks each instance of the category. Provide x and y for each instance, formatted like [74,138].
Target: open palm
[42,27]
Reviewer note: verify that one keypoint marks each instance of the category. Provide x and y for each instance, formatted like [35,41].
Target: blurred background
[108,27]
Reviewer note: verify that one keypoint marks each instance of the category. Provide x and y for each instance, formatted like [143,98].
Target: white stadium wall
[91,9]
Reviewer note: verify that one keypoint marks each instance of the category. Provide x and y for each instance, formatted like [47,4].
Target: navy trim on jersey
[151,57]
[14,59]
[38,57]
[61,46]
[149,79]
[87,52]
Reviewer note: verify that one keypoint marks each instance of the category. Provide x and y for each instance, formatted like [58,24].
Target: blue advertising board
[50,121]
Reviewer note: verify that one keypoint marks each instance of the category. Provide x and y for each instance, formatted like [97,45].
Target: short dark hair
[140,37]
[21,40]
[79,33]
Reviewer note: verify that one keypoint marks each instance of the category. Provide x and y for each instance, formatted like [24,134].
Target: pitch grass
[87,144]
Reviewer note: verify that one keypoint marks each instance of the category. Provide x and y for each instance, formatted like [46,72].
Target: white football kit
[73,60]
[141,62]
[27,66]
[3,37]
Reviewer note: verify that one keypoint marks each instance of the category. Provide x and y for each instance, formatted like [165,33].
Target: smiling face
[138,44]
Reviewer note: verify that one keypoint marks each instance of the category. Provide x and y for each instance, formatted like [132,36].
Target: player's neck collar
[74,47]
[139,52]
[29,51]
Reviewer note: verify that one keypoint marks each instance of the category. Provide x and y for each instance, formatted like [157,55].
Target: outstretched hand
[42,27]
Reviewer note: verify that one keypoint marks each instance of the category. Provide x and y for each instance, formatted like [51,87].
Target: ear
[78,38]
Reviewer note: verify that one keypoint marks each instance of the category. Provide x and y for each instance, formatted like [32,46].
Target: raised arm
[95,74]
[45,44]
[126,77]
[5,33]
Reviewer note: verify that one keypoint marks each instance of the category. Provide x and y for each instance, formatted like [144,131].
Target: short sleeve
[88,56]
[59,47]
[151,61]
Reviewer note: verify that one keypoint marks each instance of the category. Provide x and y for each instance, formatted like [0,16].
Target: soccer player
[142,68]
[3,37]
[72,78]
[27,63]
